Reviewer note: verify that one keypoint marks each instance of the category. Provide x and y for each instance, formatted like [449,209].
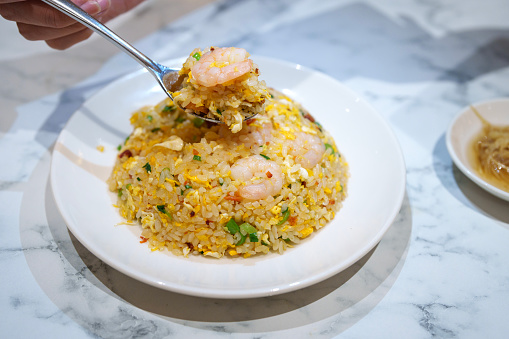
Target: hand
[39,21]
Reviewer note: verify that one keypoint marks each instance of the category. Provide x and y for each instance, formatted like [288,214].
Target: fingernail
[94,7]
[104,5]
[91,7]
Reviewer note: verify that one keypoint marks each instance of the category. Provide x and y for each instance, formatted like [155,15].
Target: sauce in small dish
[489,153]
[467,127]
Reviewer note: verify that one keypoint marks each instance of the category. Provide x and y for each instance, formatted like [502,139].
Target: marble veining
[441,269]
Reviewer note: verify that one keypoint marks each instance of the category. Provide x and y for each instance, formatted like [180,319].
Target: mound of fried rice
[173,177]
[230,102]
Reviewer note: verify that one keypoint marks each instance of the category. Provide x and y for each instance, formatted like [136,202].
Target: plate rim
[262,291]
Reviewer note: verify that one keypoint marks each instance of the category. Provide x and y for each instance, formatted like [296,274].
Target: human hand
[38,21]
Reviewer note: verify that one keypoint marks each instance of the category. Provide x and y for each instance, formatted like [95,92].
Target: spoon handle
[70,9]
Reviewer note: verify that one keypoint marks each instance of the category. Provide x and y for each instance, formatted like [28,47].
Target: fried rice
[177,177]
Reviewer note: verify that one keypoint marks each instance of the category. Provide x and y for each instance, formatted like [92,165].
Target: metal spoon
[167,77]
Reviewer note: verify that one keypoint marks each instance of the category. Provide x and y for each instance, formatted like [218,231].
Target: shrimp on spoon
[222,83]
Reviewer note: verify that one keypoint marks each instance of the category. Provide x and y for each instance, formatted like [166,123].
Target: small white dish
[79,172]
[464,127]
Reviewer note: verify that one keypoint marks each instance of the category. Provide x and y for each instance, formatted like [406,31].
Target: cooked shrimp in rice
[255,134]
[222,84]
[260,177]
[307,149]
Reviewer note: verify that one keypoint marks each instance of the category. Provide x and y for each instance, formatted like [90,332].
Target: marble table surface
[442,268]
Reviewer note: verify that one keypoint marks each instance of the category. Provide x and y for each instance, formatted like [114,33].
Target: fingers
[118,7]
[37,13]
[38,21]
[35,33]
[69,40]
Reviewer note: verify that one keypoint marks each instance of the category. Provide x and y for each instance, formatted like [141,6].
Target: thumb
[94,7]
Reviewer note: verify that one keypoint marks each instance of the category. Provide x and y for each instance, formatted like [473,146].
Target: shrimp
[252,135]
[220,65]
[257,134]
[307,149]
[261,135]
[263,177]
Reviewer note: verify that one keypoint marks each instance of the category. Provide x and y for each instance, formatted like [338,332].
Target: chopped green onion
[327,146]
[219,112]
[119,147]
[198,122]
[162,209]
[180,119]
[169,108]
[126,139]
[265,244]
[286,215]
[119,192]
[285,239]
[149,118]
[138,178]
[232,226]
[197,56]
[242,239]
[266,157]
[221,181]
[128,186]
[188,186]
[156,129]
[147,167]
[197,157]
[246,228]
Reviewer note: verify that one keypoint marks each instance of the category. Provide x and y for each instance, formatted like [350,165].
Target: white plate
[464,127]
[376,190]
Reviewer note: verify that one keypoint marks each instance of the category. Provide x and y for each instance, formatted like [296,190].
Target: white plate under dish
[464,127]
[375,190]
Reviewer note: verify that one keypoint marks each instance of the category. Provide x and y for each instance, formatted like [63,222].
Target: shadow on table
[464,189]
[350,294]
